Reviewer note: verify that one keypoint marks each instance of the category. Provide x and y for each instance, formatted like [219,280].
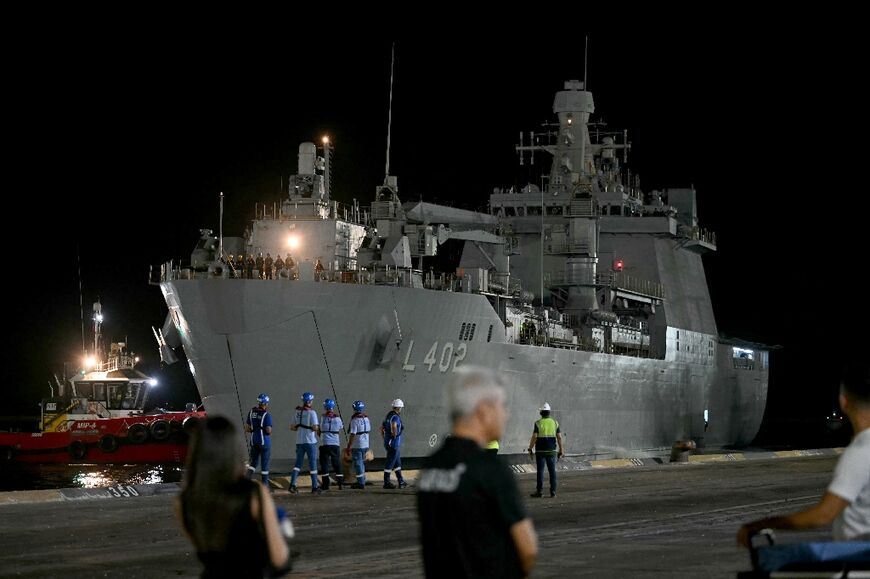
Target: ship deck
[668,520]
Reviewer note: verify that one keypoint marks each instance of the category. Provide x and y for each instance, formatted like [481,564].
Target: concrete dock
[623,519]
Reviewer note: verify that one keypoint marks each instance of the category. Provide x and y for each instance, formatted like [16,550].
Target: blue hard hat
[263,398]
[359,405]
[307,397]
[329,403]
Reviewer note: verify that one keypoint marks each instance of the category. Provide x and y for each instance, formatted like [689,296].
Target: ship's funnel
[580,273]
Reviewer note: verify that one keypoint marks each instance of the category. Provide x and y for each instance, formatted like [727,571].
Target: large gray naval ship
[579,290]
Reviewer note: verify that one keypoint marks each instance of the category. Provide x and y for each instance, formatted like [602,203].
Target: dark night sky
[122,144]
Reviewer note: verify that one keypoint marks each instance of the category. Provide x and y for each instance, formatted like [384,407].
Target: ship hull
[377,343]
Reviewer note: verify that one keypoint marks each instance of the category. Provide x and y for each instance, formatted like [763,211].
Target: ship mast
[81,304]
[98,324]
[390,114]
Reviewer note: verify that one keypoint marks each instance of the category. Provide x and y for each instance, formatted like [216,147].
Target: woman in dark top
[230,520]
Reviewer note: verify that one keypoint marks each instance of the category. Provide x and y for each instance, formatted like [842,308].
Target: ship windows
[466,331]
[115,397]
[84,390]
[743,358]
[489,334]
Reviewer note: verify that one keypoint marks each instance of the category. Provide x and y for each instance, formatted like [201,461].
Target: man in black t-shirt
[472,521]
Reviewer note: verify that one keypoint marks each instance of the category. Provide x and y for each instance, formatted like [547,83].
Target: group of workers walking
[308,426]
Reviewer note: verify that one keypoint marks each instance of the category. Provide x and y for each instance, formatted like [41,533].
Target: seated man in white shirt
[846,503]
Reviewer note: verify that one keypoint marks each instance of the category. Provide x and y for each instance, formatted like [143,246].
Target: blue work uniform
[258,420]
[392,444]
[330,451]
[360,426]
[306,422]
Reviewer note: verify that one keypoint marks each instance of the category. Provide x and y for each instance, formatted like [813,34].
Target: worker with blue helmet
[259,425]
[307,427]
[358,442]
[331,426]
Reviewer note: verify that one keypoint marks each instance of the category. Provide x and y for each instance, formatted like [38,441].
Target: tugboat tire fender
[190,424]
[137,433]
[108,443]
[160,429]
[77,449]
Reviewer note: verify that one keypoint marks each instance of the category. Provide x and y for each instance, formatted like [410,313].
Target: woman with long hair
[231,520]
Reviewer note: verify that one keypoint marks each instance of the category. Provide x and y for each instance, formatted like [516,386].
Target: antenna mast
[221,230]
[390,115]
[585,62]
[81,305]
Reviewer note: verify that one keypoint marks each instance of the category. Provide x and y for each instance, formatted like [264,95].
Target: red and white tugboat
[98,417]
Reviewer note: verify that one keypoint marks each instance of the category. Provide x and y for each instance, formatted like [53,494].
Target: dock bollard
[681,449]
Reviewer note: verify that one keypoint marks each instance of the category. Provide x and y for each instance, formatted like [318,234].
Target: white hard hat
[546,406]
[397,403]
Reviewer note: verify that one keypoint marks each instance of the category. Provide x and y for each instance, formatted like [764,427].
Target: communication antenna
[390,115]
[221,229]
[81,304]
[585,62]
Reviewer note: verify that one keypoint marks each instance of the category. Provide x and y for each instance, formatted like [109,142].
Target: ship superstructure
[579,290]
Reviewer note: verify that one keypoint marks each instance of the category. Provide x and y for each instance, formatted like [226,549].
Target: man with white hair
[473,523]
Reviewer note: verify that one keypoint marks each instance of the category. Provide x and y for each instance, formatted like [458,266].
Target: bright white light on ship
[152,382]
[136,359]
[99,318]
[90,362]
[292,242]
[743,353]
[326,140]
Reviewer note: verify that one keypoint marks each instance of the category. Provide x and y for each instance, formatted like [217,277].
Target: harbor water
[56,476]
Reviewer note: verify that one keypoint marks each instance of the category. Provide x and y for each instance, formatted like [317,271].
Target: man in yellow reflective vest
[545,440]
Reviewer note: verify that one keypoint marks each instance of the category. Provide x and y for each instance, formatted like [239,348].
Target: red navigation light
[618,265]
